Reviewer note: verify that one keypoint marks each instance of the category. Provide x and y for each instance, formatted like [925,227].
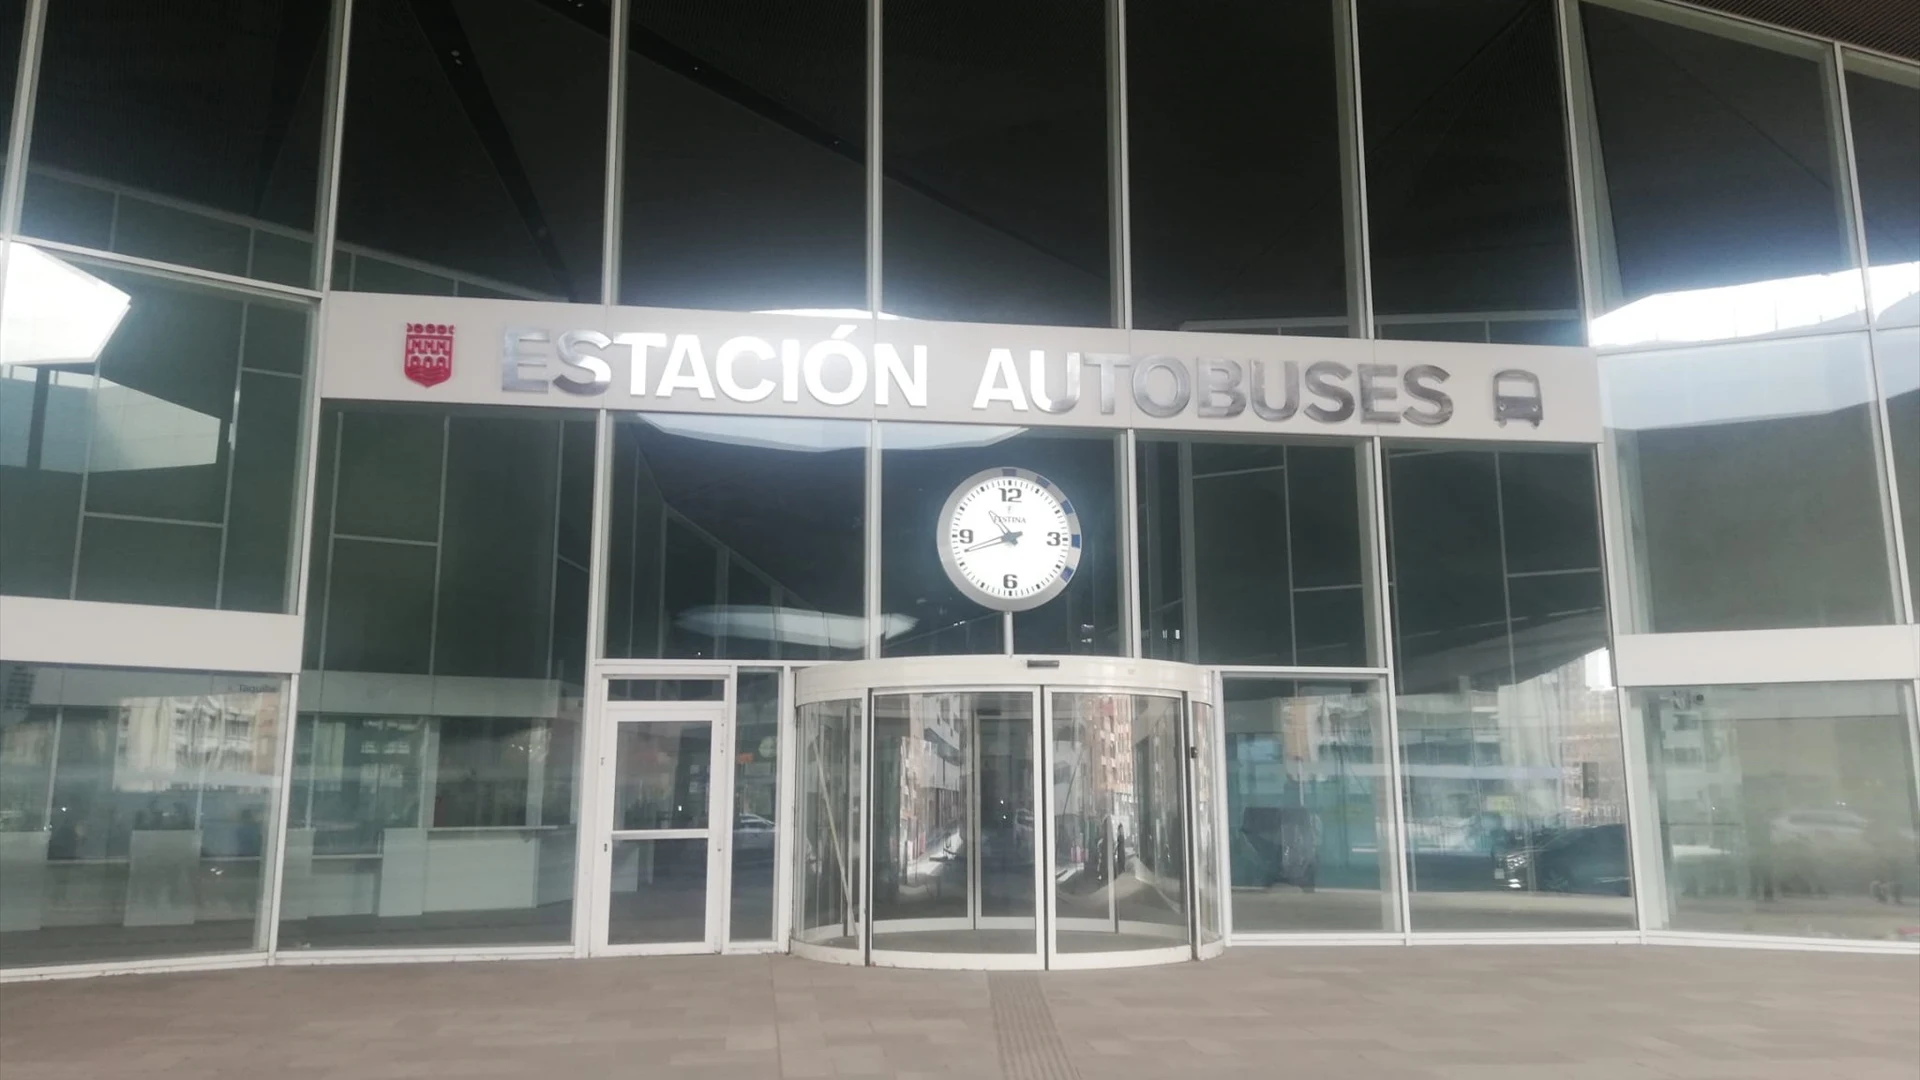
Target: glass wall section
[164,471]
[1468,210]
[1721,201]
[1750,464]
[995,133]
[1899,351]
[1252,553]
[1883,105]
[135,812]
[437,754]
[923,614]
[745,182]
[1309,806]
[737,538]
[756,804]
[1238,208]
[145,144]
[13,18]
[826,858]
[1785,810]
[473,159]
[1514,786]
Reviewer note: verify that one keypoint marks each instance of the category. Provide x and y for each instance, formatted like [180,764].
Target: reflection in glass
[135,812]
[217,171]
[1899,354]
[1509,735]
[826,895]
[737,538]
[1206,826]
[1233,232]
[659,892]
[1751,463]
[1272,571]
[662,774]
[996,165]
[745,184]
[1309,819]
[1462,251]
[1717,168]
[466,167]
[1119,820]
[436,757]
[756,804]
[1786,810]
[925,615]
[954,846]
[1883,106]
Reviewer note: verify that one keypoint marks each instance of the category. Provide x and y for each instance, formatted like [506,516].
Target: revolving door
[1005,812]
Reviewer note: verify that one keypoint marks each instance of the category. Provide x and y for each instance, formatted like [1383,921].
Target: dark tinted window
[744,182]
[737,538]
[1468,209]
[1883,103]
[1717,151]
[996,162]
[1235,175]
[473,158]
[186,132]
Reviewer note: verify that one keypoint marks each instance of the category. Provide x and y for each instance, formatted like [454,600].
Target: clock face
[1009,539]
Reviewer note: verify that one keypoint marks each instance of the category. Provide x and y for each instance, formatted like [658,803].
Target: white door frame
[597,801]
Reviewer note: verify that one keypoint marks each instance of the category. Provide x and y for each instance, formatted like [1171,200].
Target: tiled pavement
[1438,1013]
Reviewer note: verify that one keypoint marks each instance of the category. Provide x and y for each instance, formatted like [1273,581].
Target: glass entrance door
[954,856]
[662,855]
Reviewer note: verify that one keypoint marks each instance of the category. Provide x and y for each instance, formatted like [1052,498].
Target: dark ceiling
[1891,26]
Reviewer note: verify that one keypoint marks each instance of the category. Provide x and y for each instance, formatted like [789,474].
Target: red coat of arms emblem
[429,353]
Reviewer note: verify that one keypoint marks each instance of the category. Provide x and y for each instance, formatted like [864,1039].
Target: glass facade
[1419,728]
[136,812]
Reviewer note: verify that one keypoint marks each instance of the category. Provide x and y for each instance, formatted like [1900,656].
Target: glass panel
[172,436]
[1309,816]
[1751,463]
[659,892]
[662,774]
[1462,250]
[953,815]
[465,164]
[1786,809]
[1231,231]
[666,689]
[826,895]
[925,614]
[1206,824]
[13,17]
[745,182]
[1275,555]
[1721,204]
[1899,352]
[996,161]
[1119,819]
[131,156]
[782,501]
[1883,104]
[1509,734]
[756,805]
[135,812]
[436,766]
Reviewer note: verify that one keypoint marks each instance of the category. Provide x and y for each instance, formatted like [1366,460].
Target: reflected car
[1592,859]
[753,835]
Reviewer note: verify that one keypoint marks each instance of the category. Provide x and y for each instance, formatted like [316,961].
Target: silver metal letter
[731,350]
[813,368]
[1143,387]
[599,374]
[1037,375]
[1290,375]
[640,344]
[1220,395]
[512,359]
[1372,393]
[1106,362]
[1423,384]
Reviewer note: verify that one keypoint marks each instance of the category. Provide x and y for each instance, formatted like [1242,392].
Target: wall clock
[1009,539]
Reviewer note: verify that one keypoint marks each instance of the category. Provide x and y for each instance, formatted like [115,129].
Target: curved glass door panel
[826,908]
[1120,823]
[952,856]
[1206,825]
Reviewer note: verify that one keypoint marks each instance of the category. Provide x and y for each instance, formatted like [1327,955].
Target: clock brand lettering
[840,370]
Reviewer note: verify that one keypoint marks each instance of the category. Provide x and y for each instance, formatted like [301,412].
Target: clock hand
[986,543]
